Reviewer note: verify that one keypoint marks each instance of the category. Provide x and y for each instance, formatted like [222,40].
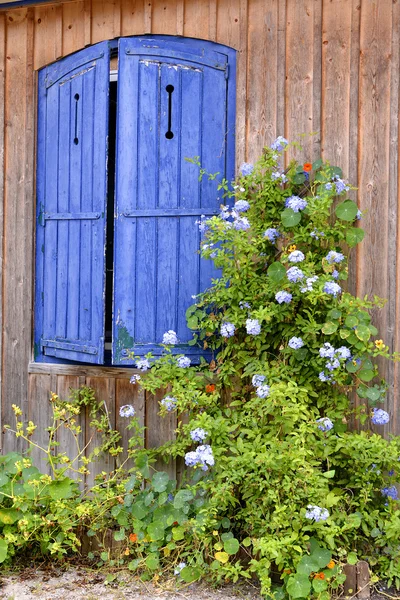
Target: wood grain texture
[133,17]
[159,430]
[128,393]
[64,437]
[48,36]
[2,108]
[40,413]
[73,27]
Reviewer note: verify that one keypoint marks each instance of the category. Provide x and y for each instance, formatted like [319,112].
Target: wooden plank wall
[324,67]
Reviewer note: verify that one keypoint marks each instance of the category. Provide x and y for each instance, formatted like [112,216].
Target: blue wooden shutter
[71,200]
[158,193]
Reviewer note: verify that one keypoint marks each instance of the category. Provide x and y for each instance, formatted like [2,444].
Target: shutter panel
[71,209]
[172,104]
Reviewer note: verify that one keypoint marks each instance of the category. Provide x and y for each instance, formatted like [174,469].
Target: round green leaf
[351,321]
[334,314]
[178,533]
[119,535]
[231,546]
[321,555]
[156,530]
[363,333]
[329,328]
[307,565]
[3,479]
[189,574]
[139,510]
[277,272]
[59,490]
[290,218]
[193,322]
[354,236]
[3,550]
[298,586]
[347,210]
[352,558]
[319,585]
[352,366]
[366,375]
[182,497]
[152,562]
[160,481]
[8,516]
[299,178]
[373,394]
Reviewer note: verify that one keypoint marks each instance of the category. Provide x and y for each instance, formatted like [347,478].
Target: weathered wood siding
[328,67]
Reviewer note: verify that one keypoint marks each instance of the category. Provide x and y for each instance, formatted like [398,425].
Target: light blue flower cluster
[143,364]
[277,175]
[203,223]
[325,424]
[262,391]
[279,144]
[203,456]
[335,355]
[332,288]
[227,329]
[179,568]
[170,338]
[183,362]
[317,234]
[271,234]
[335,274]
[309,284]
[258,380]
[244,305]
[224,214]
[295,274]
[283,297]
[127,411]
[316,513]
[295,343]
[390,492]
[253,326]
[296,203]
[135,379]
[241,206]
[325,378]
[340,185]
[198,434]
[241,224]
[246,169]
[169,402]
[296,256]
[334,257]
[359,215]
[380,417]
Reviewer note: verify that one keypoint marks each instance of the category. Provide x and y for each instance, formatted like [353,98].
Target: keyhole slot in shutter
[76,140]
[169,135]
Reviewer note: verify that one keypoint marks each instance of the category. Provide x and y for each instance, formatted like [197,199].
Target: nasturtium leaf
[299,178]
[366,375]
[231,546]
[317,164]
[319,585]
[182,497]
[322,556]
[329,327]
[227,536]
[156,530]
[373,330]
[335,171]
[133,565]
[8,516]
[347,210]
[354,520]
[373,394]
[334,313]
[329,475]
[307,565]
[119,535]
[362,391]
[59,490]
[193,322]
[130,484]
[223,557]
[354,236]
[178,533]
[352,366]
[375,532]
[160,481]
[190,574]
[139,511]
[344,333]
[225,522]
[3,479]
[152,562]
[363,333]
[351,321]
[104,556]
[289,218]
[298,586]
[276,272]
[352,558]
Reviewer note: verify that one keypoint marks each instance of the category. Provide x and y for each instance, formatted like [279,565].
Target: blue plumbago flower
[335,274]
[202,456]
[343,352]
[380,417]
[295,343]
[317,234]
[332,288]
[179,568]
[325,424]
[258,380]
[241,224]
[283,297]
[184,362]
[328,186]
[316,513]
[170,498]
[359,215]
[276,175]
[244,305]
[323,377]
[262,391]
[246,169]
[227,329]
[127,411]
[169,402]
[327,351]
[143,364]
[135,379]
[334,257]
[391,473]
[296,257]
[191,459]
[341,186]
[253,326]
[198,435]
[271,234]
[242,206]
[170,338]
[279,144]
[295,203]
[224,214]
[203,223]
[309,284]
[332,365]
[295,274]
[390,492]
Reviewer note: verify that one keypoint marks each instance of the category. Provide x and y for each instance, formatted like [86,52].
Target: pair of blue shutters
[166,86]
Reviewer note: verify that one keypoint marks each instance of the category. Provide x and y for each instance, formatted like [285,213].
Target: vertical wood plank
[281,69]
[2,107]
[212,26]
[18,216]
[67,443]
[128,393]
[106,20]
[159,429]
[87,22]
[164,17]
[48,34]
[148,16]
[241,86]
[180,16]
[40,412]
[104,388]
[73,24]
[197,19]
[132,17]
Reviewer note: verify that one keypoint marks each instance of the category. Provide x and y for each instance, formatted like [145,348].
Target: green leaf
[3,479]
[366,375]
[190,574]
[307,565]
[375,532]
[160,481]
[329,475]
[347,210]
[373,394]
[322,556]
[59,490]
[104,556]
[363,333]
[298,586]
[344,333]
[3,550]
[289,218]
[329,328]
[354,520]
[119,535]
[231,546]
[139,511]
[317,164]
[351,321]
[152,562]
[352,367]
[277,272]
[352,558]
[193,322]
[178,533]
[182,497]
[334,314]
[223,557]
[354,236]
[8,516]
[156,530]
[362,391]
[319,585]
[299,178]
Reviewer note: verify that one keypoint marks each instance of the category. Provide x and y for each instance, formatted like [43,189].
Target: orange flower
[133,537]
[331,564]
[319,576]
[210,388]
[307,167]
